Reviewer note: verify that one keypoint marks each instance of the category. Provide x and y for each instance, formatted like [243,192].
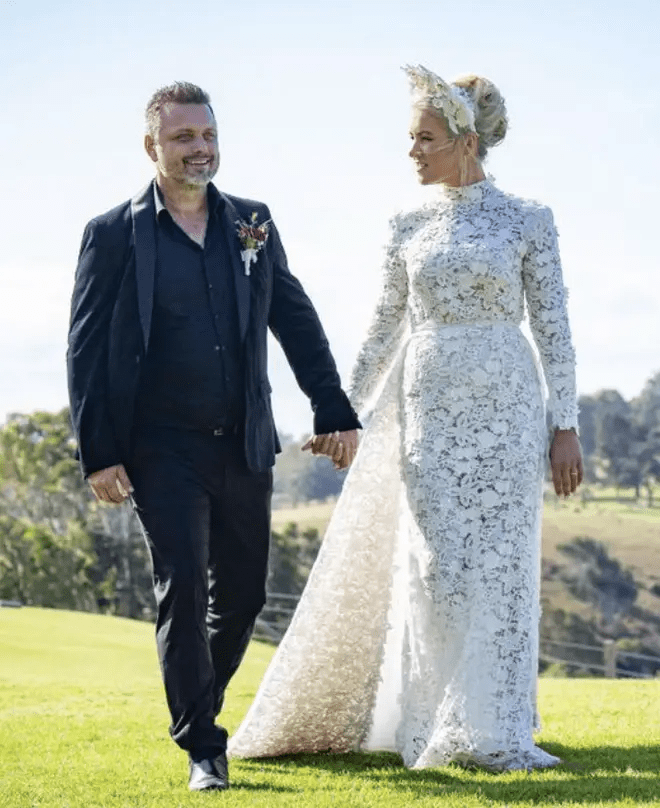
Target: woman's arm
[546,301]
[387,324]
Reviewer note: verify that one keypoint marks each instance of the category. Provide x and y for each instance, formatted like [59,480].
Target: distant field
[311,514]
[630,531]
[83,724]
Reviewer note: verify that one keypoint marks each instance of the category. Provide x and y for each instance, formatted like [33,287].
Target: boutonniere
[252,236]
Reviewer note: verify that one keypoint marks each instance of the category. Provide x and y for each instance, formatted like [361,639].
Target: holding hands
[340,447]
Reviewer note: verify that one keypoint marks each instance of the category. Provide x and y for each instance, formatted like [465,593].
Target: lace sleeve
[387,325]
[546,301]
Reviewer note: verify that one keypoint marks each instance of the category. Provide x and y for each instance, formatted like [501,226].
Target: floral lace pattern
[418,629]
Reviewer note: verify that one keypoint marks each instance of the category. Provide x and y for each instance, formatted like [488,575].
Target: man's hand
[566,462]
[111,484]
[340,447]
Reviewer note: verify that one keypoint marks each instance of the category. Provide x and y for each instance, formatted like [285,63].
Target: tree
[39,567]
[646,407]
[46,552]
[588,408]
[617,439]
[123,570]
[58,546]
[39,474]
[292,554]
[621,440]
[301,476]
[649,461]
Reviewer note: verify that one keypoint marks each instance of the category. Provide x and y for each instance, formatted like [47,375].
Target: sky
[313,116]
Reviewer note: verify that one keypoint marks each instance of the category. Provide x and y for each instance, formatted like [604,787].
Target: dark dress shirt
[194,372]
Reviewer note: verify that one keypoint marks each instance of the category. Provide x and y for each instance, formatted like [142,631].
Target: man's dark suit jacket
[111,318]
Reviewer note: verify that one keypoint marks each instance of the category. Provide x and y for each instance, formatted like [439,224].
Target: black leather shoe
[209,774]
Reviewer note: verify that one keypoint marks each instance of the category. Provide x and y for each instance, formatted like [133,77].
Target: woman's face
[436,155]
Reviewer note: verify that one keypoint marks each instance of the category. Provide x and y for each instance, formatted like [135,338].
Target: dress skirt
[418,628]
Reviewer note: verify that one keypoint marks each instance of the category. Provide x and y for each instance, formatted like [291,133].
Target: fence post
[609,658]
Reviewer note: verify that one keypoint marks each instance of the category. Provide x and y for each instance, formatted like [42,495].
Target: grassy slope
[83,724]
[632,534]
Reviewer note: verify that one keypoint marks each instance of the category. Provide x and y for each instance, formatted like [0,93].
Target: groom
[174,293]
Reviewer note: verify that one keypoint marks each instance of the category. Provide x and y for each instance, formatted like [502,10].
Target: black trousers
[206,519]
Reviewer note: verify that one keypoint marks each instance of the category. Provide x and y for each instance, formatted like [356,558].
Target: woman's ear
[472,144]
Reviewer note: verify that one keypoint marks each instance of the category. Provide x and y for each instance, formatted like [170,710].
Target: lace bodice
[473,255]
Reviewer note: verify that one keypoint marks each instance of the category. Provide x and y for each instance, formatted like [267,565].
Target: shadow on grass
[590,759]
[587,775]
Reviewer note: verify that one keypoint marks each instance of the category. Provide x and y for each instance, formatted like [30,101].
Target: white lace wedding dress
[418,628]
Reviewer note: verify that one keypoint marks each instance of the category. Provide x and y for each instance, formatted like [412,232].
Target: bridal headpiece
[454,103]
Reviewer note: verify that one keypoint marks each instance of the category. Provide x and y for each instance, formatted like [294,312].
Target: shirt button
[210,286]
[217,347]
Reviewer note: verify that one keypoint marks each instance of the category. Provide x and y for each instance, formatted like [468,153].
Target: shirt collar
[214,199]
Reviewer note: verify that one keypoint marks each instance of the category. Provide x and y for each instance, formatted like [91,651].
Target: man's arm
[95,290]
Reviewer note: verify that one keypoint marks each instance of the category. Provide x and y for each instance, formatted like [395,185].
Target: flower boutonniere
[252,236]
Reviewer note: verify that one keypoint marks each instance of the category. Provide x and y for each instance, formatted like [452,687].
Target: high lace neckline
[462,194]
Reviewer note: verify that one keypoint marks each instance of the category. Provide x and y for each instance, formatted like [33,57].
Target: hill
[601,578]
[632,533]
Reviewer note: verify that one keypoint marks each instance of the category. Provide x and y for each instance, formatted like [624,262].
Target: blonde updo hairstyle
[491,121]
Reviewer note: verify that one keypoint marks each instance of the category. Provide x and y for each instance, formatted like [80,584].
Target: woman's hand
[340,447]
[566,462]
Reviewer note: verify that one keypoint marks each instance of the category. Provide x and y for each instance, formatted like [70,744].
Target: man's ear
[150,147]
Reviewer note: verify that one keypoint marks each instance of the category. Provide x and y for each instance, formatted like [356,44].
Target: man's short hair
[181,92]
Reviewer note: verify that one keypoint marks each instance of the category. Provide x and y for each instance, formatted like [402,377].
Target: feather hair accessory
[453,103]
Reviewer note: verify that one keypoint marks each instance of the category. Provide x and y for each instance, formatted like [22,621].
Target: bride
[418,628]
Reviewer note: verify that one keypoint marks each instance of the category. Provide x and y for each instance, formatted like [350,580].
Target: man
[174,293]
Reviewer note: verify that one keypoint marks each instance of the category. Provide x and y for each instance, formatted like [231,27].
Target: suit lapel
[144,239]
[241,280]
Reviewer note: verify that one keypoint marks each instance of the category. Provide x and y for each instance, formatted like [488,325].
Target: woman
[418,629]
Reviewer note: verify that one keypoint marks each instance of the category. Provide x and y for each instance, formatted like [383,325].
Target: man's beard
[200,177]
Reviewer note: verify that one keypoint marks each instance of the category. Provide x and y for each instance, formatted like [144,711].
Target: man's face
[185,147]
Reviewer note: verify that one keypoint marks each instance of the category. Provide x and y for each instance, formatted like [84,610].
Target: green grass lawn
[83,725]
